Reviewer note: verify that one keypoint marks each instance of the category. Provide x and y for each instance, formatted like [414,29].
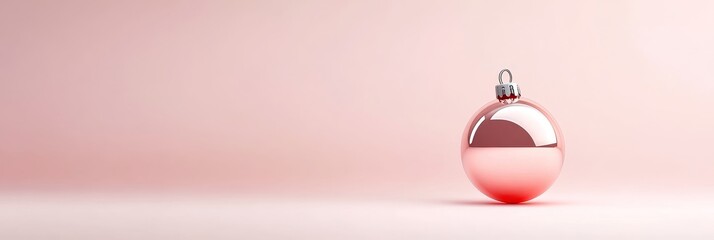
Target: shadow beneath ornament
[486,203]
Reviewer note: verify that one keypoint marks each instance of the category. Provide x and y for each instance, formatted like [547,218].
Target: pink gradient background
[276,102]
[354,97]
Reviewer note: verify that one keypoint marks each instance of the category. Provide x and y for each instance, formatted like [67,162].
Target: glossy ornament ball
[512,151]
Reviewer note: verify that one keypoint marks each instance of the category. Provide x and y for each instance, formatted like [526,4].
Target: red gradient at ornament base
[512,149]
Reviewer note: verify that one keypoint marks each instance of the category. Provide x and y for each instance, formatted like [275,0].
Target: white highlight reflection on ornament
[473,131]
[531,120]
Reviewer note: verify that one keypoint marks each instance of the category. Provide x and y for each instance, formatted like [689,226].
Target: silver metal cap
[507,92]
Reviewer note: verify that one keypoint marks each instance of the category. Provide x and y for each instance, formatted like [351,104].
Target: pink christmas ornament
[512,149]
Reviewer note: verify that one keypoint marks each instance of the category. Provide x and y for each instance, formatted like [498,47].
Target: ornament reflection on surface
[512,152]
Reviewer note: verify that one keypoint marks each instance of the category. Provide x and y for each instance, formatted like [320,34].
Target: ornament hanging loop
[507,92]
[500,76]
